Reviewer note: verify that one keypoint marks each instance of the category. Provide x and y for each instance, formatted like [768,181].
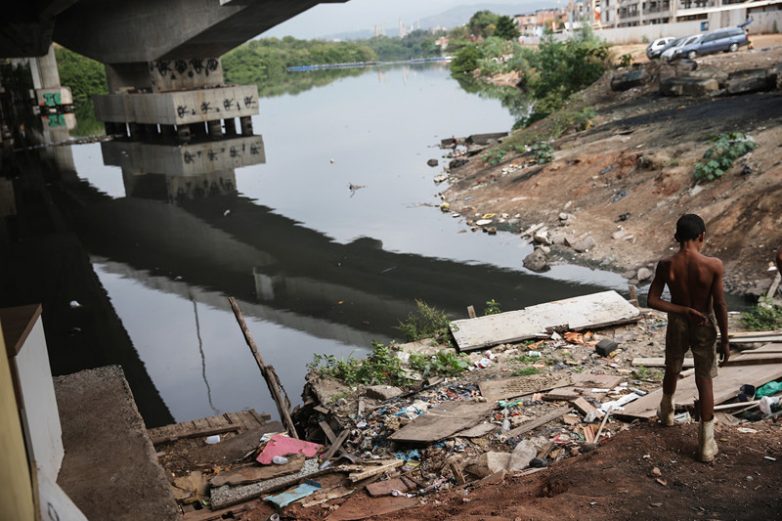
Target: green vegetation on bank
[719,157]
[550,74]
[265,61]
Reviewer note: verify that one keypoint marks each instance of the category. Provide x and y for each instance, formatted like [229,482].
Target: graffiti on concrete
[190,68]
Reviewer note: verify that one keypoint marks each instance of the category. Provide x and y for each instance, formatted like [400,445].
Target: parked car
[723,40]
[656,48]
[671,52]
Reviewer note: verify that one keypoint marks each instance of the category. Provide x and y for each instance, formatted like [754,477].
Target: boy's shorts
[683,335]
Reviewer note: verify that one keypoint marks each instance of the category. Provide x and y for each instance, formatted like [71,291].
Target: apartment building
[712,14]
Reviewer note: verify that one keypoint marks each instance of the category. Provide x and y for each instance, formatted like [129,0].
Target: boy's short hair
[689,227]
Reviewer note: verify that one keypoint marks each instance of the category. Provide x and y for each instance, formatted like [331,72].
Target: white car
[656,48]
[671,52]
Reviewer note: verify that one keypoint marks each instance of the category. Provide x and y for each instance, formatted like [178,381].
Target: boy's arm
[721,310]
[779,259]
[655,301]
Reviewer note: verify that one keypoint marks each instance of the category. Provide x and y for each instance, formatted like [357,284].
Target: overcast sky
[358,15]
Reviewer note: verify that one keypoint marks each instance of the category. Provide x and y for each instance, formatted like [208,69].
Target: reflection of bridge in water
[225,243]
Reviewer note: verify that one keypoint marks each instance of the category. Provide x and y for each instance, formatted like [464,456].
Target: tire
[692,55]
[733,47]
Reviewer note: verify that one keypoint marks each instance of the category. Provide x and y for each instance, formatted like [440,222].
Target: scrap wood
[219,515]
[322,496]
[254,473]
[326,428]
[225,496]
[726,386]
[534,424]
[300,491]
[269,374]
[482,429]
[387,487]
[361,506]
[521,386]
[587,408]
[335,446]
[589,433]
[382,467]
[443,421]
[658,362]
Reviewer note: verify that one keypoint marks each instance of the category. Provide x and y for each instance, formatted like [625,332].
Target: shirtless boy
[695,283]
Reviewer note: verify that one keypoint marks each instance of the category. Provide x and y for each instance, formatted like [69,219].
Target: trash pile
[517,408]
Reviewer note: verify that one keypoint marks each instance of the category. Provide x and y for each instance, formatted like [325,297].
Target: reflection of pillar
[172,188]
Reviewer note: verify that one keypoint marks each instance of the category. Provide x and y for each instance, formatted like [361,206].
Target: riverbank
[618,186]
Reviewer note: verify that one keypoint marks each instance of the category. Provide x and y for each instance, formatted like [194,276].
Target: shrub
[720,157]
[542,152]
[382,366]
[625,60]
[426,322]
[766,315]
[492,307]
[466,60]
[445,362]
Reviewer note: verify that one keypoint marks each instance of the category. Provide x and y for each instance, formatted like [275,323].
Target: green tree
[507,28]
[483,23]
[466,60]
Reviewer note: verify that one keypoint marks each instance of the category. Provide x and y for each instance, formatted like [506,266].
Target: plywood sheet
[726,386]
[442,421]
[521,385]
[579,313]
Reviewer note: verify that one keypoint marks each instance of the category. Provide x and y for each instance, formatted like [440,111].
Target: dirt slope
[638,159]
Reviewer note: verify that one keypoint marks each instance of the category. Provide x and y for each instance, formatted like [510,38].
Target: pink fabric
[282,445]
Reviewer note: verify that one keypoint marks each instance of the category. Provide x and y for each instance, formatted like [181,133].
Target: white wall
[39,403]
[763,21]
[55,503]
[651,32]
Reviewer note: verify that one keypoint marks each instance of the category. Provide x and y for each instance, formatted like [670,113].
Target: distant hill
[453,17]
[459,15]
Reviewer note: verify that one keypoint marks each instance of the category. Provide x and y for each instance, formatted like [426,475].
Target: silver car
[672,51]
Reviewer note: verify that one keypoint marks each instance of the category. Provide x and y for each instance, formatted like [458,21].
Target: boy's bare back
[694,280]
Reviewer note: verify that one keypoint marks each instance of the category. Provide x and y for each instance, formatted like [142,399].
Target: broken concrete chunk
[627,80]
[688,86]
[751,80]
[605,347]
[433,163]
[541,237]
[382,392]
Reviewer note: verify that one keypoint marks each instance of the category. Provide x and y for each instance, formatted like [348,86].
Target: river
[316,267]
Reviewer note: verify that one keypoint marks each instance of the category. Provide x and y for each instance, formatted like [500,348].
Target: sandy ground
[615,482]
[636,161]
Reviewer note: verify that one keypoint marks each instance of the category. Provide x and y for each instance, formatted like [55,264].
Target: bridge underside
[140,31]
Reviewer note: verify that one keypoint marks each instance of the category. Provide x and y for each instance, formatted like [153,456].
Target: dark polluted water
[316,267]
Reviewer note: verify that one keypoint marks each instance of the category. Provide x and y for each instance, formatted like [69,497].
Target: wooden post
[268,372]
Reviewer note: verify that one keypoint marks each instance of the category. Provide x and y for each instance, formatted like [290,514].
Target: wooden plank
[755,339]
[193,433]
[442,421]
[726,386]
[217,515]
[374,470]
[202,427]
[521,386]
[268,372]
[256,473]
[580,313]
[336,445]
[746,334]
[772,290]
[482,429]
[587,408]
[537,422]
[387,487]
[659,362]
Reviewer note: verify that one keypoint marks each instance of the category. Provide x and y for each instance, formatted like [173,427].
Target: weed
[766,315]
[382,366]
[526,371]
[527,359]
[445,362]
[720,156]
[492,307]
[542,152]
[625,60]
[495,156]
[644,373]
[426,322]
